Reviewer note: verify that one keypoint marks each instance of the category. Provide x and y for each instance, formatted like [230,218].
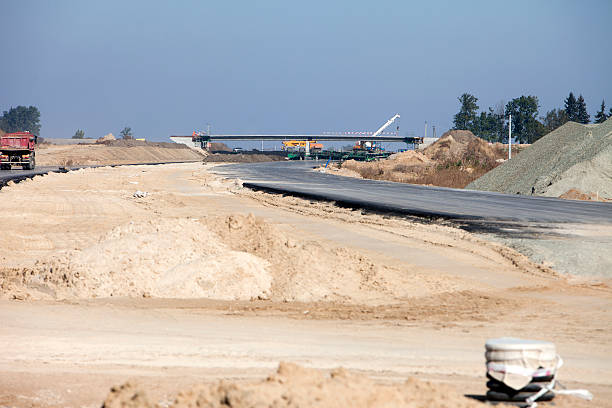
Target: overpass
[202,139]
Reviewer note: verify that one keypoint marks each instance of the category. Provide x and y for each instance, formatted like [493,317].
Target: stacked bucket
[521,371]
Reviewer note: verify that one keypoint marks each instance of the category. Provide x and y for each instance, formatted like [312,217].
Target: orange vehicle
[300,145]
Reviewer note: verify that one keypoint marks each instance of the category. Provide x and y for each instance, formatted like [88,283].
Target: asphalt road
[297,178]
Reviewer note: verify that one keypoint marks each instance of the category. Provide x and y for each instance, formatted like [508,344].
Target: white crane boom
[383,127]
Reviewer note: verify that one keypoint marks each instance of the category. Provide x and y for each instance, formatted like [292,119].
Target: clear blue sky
[282,66]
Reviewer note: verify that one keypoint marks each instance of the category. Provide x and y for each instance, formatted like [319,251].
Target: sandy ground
[202,280]
[80,155]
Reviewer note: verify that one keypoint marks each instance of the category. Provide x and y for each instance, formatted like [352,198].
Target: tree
[466,118]
[79,134]
[21,119]
[583,115]
[525,127]
[554,119]
[489,125]
[571,108]
[601,115]
[126,133]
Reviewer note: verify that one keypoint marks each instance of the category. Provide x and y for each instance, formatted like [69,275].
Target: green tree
[525,126]
[21,119]
[583,115]
[554,118]
[601,115]
[489,125]
[571,108]
[466,117]
[79,134]
[126,133]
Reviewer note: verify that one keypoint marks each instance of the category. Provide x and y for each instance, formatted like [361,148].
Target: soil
[202,280]
[114,152]
[454,160]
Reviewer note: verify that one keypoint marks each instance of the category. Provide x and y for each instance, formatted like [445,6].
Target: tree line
[492,125]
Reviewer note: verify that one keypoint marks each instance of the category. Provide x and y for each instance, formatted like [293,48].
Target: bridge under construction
[203,139]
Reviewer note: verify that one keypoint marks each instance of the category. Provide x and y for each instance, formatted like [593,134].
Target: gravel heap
[574,156]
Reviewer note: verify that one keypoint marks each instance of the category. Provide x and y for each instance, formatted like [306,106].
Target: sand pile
[168,258]
[574,156]
[462,145]
[227,258]
[106,138]
[115,152]
[295,386]
[454,160]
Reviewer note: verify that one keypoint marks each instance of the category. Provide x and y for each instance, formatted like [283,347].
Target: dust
[295,386]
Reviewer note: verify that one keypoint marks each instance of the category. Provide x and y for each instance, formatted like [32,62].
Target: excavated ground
[202,280]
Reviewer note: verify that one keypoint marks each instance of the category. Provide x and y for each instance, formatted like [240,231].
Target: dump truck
[17,149]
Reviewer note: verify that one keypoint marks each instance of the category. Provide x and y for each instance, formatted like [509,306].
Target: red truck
[17,149]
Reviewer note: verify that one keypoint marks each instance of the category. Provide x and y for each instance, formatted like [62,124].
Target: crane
[386,125]
[370,144]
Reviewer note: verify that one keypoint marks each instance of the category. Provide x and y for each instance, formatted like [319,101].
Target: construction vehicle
[371,146]
[17,149]
[300,146]
[367,146]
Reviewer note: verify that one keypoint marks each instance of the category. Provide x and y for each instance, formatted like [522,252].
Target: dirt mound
[227,258]
[574,156]
[462,145]
[106,138]
[114,152]
[454,160]
[296,386]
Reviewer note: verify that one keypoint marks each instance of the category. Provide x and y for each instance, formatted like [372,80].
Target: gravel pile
[574,156]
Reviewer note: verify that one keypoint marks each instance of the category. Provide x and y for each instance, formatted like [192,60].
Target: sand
[203,280]
[572,157]
[96,154]
[295,386]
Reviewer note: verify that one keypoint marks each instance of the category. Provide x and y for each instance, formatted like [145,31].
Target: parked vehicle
[17,149]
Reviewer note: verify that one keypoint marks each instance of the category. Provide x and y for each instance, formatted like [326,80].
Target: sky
[170,67]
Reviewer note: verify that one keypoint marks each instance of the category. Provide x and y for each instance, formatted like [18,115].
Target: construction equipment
[17,149]
[371,145]
[300,146]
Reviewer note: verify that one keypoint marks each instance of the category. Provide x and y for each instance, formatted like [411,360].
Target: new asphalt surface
[298,178]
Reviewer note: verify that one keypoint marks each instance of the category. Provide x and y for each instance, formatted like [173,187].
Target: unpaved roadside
[384,296]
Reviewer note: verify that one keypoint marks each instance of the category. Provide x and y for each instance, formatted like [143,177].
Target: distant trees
[576,109]
[466,117]
[21,119]
[525,126]
[126,133]
[571,108]
[554,118]
[79,134]
[601,116]
[583,115]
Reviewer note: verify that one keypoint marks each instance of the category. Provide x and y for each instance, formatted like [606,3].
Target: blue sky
[167,68]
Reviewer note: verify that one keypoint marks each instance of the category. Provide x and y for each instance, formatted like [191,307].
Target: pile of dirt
[572,157]
[295,386]
[227,258]
[454,160]
[114,152]
[106,138]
